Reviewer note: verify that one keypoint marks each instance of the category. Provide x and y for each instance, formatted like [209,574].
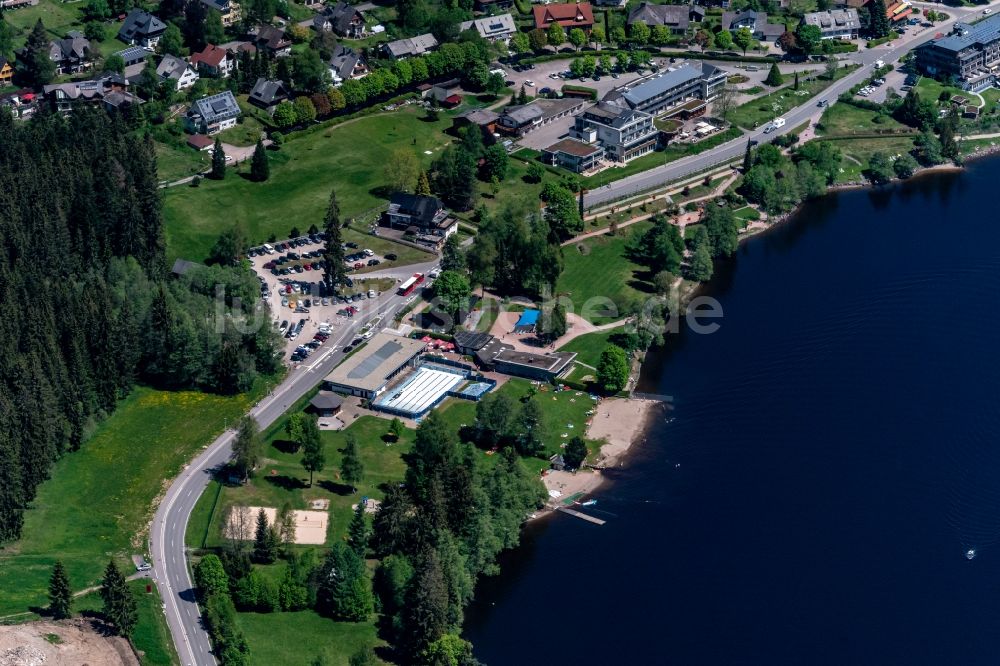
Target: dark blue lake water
[839,449]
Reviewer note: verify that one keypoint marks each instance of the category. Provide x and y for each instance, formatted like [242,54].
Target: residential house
[109,89]
[229,10]
[346,63]
[6,72]
[569,15]
[421,215]
[267,94]
[493,28]
[133,55]
[756,22]
[676,17]
[623,132]
[213,61]
[970,54]
[411,46]
[342,19]
[176,70]
[142,29]
[577,156]
[21,103]
[835,23]
[670,87]
[71,54]
[484,119]
[213,114]
[271,40]
[489,6]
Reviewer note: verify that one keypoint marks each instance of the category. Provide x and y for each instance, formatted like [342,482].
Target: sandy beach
[619,422]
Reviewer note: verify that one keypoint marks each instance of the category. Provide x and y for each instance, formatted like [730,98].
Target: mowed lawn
[350,158]
[596,269]
[98,501]
[298,638]
[589,347]
[849,119]
[282,479]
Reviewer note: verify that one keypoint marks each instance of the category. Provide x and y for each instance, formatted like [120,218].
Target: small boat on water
[589,503]
[971,553]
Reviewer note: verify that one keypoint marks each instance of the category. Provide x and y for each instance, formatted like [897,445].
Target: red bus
[410,284]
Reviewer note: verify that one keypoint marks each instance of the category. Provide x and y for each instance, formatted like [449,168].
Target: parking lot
[304,311]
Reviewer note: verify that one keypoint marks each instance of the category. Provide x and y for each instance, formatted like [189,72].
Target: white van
[268,249]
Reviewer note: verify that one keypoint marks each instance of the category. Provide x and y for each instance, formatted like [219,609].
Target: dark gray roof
[344,60]
[472,340]
[217,107]
[411,46]
[326,400]
[171,67]
[661,84]
[182,266]
[140,24]
[671,15]
[133,55]
[73,49]
[421,208]
[984,32]
[524,114]
[341,16]
[268,92]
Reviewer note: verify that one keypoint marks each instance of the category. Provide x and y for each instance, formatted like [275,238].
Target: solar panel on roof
[373,361]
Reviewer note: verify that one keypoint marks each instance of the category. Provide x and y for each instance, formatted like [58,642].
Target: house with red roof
[213,60]
[569,15]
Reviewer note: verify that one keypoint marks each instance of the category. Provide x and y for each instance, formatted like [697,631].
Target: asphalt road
[166,537]
[170,522]
[735,149]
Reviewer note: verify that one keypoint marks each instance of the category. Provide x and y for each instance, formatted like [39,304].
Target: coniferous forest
[87,307]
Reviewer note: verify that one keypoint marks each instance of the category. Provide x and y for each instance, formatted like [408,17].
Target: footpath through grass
[596,268]
[99,500]
[349,158]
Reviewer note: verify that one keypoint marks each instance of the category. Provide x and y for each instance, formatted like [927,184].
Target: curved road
[734,150]
[170,522]
[166,536]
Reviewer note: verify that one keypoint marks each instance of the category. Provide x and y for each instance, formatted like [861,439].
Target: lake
[831,454]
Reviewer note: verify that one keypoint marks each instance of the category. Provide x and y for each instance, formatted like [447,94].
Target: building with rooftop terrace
[669,88]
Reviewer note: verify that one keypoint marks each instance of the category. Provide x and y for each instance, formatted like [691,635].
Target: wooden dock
[582,516]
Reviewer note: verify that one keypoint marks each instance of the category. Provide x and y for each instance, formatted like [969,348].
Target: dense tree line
[86,311]
[515,254]
[437,532]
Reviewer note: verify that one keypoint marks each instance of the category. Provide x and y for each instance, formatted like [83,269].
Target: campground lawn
[349,158]
[98,500]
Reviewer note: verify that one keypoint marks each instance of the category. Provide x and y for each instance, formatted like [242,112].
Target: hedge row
[872,43]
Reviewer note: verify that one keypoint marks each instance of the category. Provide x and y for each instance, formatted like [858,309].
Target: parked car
[391,256]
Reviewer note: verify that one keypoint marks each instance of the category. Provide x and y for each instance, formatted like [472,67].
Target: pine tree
[774,77]
[60,594]
[796,85]
[218,161]
[748,158]
[357,532]
[313,455]
[880,25]
[38,68]
[333,252]
[260,169]
[425,615]
[247,447]
[120,608]
[423,185]
[351,469]
[264,542]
